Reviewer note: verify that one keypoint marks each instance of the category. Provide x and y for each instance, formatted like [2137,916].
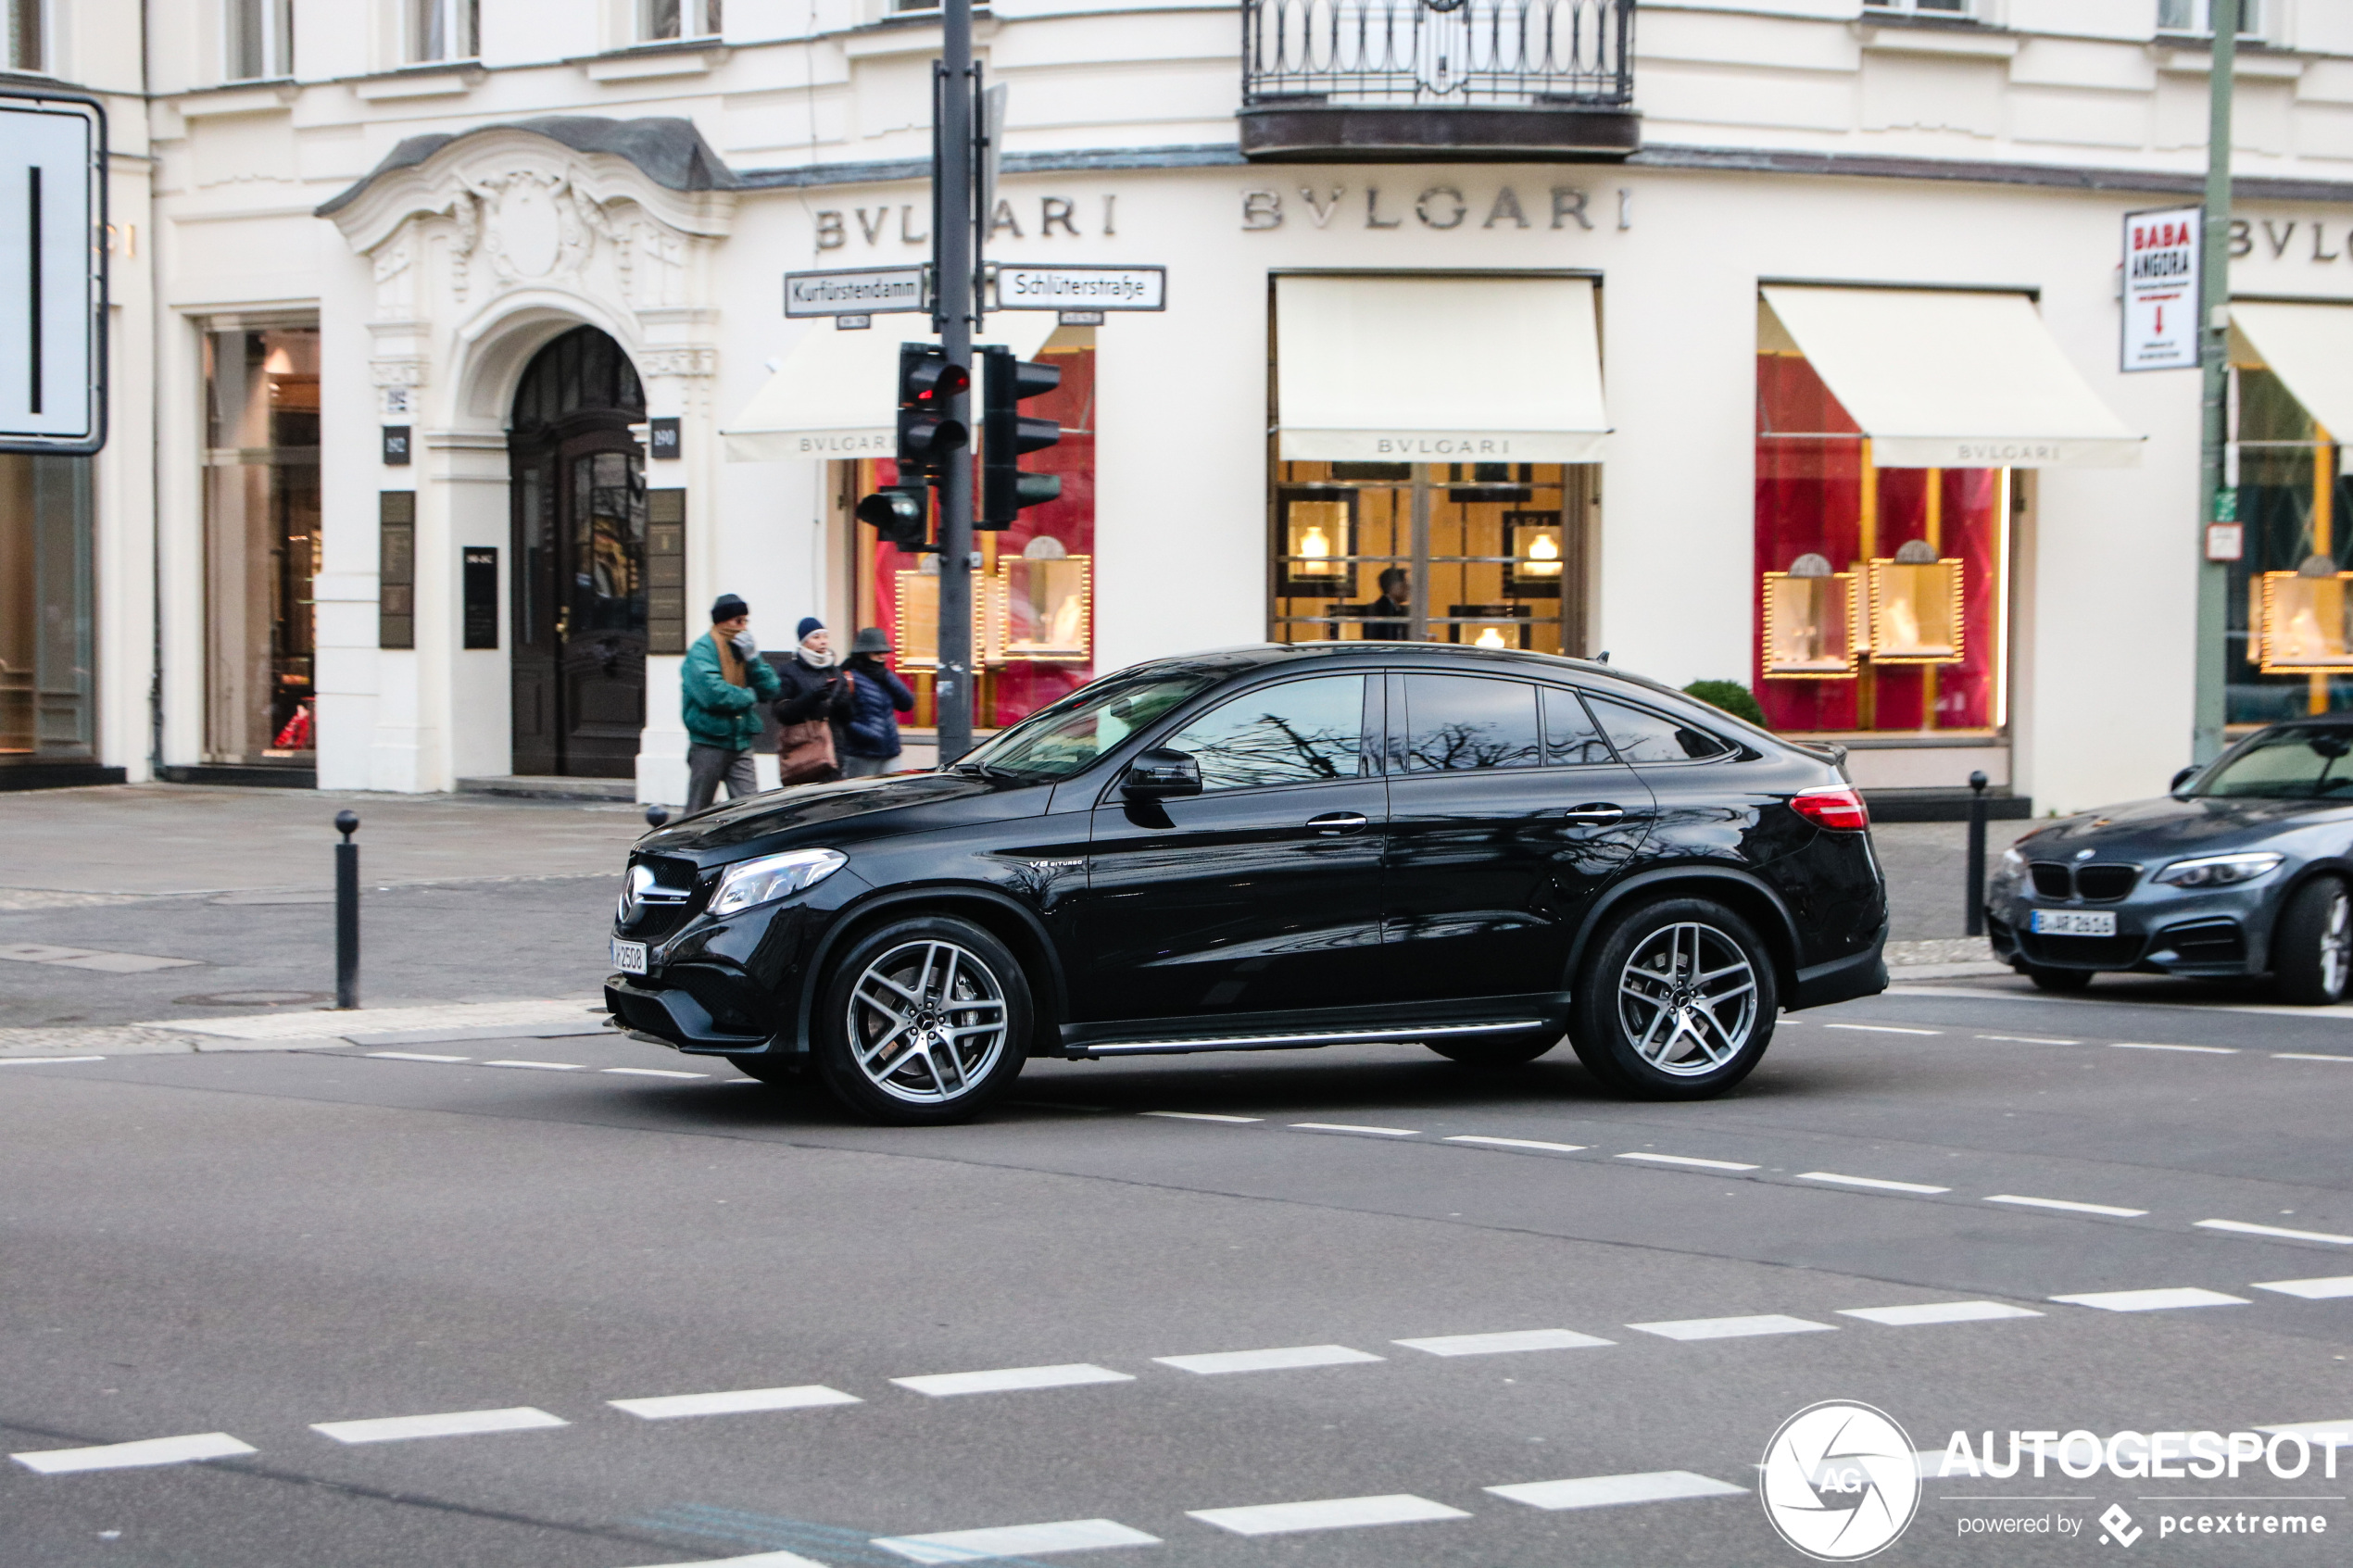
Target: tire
[2048,979]
[1636,978]
[2312,944]
[1497,1051]
[889,987]
[784,1072]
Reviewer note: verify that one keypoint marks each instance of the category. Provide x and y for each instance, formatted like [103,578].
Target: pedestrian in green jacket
[720,693]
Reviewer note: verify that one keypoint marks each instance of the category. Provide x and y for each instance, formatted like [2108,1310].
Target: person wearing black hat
[720,693]
[870,740]
[813,712]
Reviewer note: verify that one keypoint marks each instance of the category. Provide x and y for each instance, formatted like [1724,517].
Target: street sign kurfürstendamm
[857,291]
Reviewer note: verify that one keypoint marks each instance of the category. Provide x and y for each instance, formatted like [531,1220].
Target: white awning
[836,393]
[1943,379]
[2310,348]
[1438,370]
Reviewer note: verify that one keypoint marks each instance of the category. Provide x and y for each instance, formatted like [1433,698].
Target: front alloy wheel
[1675,1002]
[925,1022]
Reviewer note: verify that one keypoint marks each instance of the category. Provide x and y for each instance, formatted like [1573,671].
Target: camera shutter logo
[1839,1481]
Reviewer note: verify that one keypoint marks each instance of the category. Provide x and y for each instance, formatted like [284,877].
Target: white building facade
[1775,341]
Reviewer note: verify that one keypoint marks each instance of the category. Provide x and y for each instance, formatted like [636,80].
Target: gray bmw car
[2243,870]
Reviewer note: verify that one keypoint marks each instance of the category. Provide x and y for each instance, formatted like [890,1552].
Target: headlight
[2013,864]
[2221,871]
[773,876]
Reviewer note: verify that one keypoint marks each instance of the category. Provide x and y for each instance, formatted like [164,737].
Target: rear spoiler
[1829,751]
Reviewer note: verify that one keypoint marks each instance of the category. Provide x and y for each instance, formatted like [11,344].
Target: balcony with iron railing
[1382,80]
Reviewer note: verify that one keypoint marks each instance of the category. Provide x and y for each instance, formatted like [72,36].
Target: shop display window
[45,645]
[2299,626]
[1880,592]
[2290,648]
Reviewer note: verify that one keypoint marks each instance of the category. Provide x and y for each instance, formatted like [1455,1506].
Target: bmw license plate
[2048,922]
[630,957]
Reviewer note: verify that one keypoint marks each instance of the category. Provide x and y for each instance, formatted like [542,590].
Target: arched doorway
[578,487]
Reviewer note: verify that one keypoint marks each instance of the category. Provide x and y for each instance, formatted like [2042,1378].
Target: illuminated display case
[2299,626]
[1319,534]
[1535,541]
[916,595]
[1813,623]
[1916,608]
[1488,626]
[1041,608]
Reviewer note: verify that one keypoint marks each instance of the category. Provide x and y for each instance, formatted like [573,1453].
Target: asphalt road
[247,1248]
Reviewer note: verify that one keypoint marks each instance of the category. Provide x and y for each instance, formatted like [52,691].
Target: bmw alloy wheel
[926,1020]
[1687,999]
[2336,943]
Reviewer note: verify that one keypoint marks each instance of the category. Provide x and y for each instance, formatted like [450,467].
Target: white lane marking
[1882,1028]
[1503,1344]
[2029,1040]
[652,1072]
[452,1423]
[1199,1116]
[131,1456]
[2320,1433]
[1687,1159]
[2063,1205]
[1608,1491]
[1268,1361]
[2332,1290]
[1873,1182]
[1013,1540]
[415,1055]
[670,1407]
[1346,1127]
[1929,1463]
[38,1060]
[1733,1328]
[758,1560]
[1332,1513]
[547,1066]
[943,1384]
[2143,1045]
[1516,1143]
[1937,1311]
[2240,1227]
[2164,1300]
[2307,1056]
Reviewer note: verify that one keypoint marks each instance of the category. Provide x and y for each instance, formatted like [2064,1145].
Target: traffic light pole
[952,259]
[2210,651]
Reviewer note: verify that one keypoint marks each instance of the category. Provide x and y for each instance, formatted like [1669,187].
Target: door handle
[1598,814]
[1332,823]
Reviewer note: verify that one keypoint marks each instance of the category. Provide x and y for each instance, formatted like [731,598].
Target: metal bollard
[347,912]
[1975,924]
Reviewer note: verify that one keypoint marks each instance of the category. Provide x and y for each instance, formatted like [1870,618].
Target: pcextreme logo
[1839,1481]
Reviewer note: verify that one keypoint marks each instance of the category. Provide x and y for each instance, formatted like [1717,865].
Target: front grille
[2105,884]
[2083,952]
[654,922]
[2052,879]
[2206,941]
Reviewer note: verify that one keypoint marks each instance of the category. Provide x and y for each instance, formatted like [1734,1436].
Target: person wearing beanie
[813,712]
[877,698]
[720,690]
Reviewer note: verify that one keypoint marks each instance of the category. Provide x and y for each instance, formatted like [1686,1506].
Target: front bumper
[677,1015]
[2157,932]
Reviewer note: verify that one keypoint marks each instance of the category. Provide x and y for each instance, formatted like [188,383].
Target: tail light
[1836,807]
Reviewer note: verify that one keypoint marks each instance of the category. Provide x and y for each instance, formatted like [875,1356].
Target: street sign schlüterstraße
[857,291]
[1080,288]
[53,272]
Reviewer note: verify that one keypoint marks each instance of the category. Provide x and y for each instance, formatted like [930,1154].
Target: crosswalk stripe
[1330,1513]
[1014,1540]
[134,1455]
[1608,1491]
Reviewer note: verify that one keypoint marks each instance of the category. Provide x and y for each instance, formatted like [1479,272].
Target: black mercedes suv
[1270,847]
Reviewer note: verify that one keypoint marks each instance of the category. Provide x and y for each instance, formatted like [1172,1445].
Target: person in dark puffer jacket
[870,739]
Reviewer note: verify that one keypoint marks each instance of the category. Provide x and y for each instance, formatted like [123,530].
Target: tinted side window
[1642,736]
[1459,722]
[1571,738]
[1302,731]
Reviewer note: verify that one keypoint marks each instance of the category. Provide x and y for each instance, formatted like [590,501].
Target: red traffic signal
[928,387]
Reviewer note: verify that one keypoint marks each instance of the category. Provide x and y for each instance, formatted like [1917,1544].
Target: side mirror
[2185,776]
[1160,775]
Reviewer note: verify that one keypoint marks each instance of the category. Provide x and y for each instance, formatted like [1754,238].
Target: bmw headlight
[2221,871]
[773,876]
[2012,866]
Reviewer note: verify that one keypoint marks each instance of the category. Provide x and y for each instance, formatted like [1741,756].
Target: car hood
[850,809]
[2171,826]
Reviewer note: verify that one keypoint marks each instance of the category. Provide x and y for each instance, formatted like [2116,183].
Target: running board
[1295,1041]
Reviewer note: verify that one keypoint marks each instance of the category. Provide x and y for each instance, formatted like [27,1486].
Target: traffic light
[929,386]
[1006,434]
[901,513]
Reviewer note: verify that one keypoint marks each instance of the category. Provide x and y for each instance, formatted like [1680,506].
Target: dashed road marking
[2307,1056]
[758,1560]
[1733,1328]
[1937,1311]
[1882,1028]
[2144,1045]
[2320,1433]
[1199,1116]
[1349,1127]
[1503,1344]
[2164,1300]
[1536,1144]
[2240,1227]
[2029,1040]
[1608,1491]
[41,1060]
[670,1407]
[1688,1159]
[544,1066]
[652,1072]
[133,1456]
[1013,1540]
[1268,1361]
[2065,1206]
[452,1423]
[1330,1513]
[2332,1290]
[1006,1380]
[415,1055]
[1875,1183]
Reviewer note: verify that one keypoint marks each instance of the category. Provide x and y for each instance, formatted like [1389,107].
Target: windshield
[1056,742]
[2299,764]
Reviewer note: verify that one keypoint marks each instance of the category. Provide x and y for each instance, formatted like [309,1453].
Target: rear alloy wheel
[2312,946]
[1676,1001]
[1497,1051]
[2048,979]
[924,1022]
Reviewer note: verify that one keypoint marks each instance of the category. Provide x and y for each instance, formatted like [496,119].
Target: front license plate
[630,957]
[2056,922]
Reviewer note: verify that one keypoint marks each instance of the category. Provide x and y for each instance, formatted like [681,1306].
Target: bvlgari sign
[2161,289]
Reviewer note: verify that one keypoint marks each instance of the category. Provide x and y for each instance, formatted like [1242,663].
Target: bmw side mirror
[1160,775]
[2185,776]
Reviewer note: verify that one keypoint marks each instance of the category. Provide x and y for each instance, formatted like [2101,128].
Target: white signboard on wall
[2161,289]
[53,279]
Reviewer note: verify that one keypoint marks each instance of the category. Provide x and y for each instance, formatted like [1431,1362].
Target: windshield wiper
[986,769]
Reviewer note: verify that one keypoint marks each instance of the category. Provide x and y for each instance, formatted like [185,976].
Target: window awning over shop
[2310,348]
[836,393]
[1438,370]
[1947,379]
